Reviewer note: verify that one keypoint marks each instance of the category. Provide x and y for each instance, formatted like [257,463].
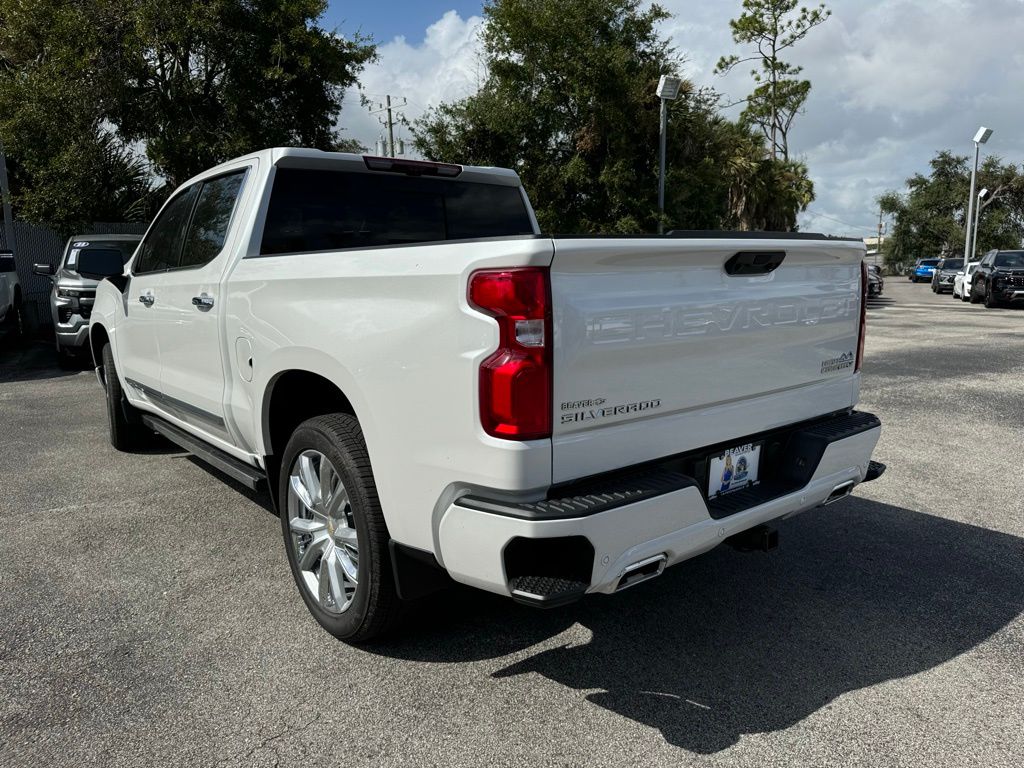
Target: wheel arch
[98,337]
[291,397]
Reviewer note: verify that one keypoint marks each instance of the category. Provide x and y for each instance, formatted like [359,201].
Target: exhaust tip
[839,492]
[642,571]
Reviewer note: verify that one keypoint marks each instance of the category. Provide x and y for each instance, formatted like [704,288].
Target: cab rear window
[323,210]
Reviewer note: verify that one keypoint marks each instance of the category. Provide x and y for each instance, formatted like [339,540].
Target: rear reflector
[515,381]
[411,167]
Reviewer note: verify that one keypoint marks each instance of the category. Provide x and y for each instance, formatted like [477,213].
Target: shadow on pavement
[259,498]
[22,360]
[730,644]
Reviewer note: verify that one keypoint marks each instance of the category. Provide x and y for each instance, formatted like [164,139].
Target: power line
[839,221]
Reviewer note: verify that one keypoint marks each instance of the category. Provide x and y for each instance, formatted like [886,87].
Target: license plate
[734,469]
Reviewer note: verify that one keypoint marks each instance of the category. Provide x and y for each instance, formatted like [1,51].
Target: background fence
[39,245]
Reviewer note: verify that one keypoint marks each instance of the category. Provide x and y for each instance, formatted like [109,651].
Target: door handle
[203,301]
[147,299]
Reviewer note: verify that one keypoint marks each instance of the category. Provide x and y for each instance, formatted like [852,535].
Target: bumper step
[589,497]
[546,591]
[875,470]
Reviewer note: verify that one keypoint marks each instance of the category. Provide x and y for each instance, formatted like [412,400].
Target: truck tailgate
[658,350]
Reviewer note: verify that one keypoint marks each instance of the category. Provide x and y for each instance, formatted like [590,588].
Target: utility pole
[5,192]
[391,130]
[389,120]
[878,243]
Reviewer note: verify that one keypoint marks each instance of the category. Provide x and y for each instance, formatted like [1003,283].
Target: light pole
[977,215]
[668,90]
[980,138]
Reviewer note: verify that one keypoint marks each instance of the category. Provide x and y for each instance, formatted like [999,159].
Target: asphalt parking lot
[147,616]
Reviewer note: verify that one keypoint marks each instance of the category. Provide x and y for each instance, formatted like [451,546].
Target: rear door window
[319,210]
[162,246]
[209,225]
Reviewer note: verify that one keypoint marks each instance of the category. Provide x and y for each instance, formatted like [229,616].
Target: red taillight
[863,314]
[515,381]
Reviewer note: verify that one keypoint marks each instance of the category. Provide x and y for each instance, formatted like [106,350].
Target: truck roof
[303,157]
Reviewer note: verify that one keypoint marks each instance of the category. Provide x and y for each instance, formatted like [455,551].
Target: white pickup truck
[430,388]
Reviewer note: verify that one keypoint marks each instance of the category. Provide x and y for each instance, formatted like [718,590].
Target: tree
[771,27]
[185,84]
[568,102]
[930,217]
[764,193]
[66,166]
[199,81]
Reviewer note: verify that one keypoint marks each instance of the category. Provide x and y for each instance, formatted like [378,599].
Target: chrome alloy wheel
[323,532]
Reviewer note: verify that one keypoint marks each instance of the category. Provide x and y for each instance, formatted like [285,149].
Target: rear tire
[974,298]
[127,432]
[332,534]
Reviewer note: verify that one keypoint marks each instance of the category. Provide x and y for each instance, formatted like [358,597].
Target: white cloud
[893,82]
[444,67]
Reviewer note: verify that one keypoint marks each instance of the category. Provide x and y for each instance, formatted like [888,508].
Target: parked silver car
[72,296]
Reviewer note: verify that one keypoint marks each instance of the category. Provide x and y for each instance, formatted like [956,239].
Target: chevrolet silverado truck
[431,389]
[72,296]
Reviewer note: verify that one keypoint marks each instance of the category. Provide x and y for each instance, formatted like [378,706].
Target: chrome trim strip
[172,403]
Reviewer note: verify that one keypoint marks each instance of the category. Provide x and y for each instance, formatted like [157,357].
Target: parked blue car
[923,270]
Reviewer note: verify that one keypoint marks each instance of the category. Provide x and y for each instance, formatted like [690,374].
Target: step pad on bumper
[589,498]
[875,470]
[546,591]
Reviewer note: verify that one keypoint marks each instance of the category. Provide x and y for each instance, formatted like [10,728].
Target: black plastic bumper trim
[546,591]
[589,498]
[798,450]
[875,470]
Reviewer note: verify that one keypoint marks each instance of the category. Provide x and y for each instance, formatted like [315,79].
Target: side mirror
[7,261]
[98,263]
[46,270]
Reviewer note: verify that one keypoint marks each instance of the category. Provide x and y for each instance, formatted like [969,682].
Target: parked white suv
[429,386]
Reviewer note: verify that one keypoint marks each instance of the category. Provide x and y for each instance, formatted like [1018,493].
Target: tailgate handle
[754,262]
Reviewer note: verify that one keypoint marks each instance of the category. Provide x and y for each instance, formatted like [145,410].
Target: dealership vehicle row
[996,279]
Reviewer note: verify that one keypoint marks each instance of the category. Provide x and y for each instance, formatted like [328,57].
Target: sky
[893,82]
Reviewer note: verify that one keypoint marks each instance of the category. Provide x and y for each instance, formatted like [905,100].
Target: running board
[249,476]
